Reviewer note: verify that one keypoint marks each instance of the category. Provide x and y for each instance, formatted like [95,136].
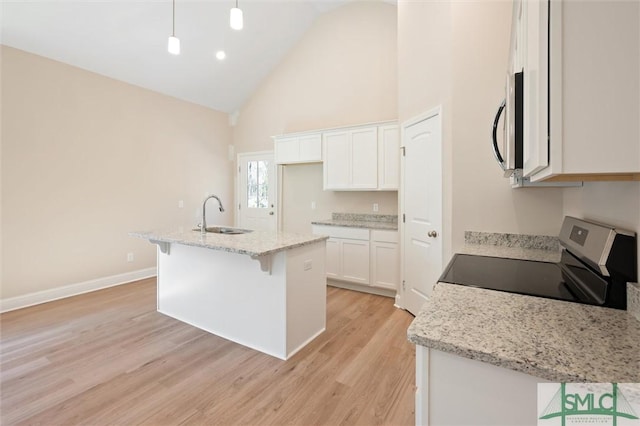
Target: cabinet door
[364,158]
[287,150]
[310,148]
[388,157]
[355,261]
[336,160]
[332,262]
[384,260]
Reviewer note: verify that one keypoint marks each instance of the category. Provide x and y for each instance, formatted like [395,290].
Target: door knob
[432,234]
[270,213]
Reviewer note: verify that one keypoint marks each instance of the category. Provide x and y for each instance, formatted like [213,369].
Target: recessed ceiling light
[221,55]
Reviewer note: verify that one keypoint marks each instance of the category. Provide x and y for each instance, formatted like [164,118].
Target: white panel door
[257,183]
[422,207]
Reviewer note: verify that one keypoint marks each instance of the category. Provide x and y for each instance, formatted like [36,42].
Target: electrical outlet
[308,264]
[313,205]
[181,204]
[129,257]
[375,207]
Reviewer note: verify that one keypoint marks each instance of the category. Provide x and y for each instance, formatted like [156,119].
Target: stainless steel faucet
[203,228]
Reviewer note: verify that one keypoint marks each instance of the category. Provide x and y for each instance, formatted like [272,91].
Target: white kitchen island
[264,290]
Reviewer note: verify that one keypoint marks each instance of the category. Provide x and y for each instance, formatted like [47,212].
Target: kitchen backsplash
[539,242]
[365,217]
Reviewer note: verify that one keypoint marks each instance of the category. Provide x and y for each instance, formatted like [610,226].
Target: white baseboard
[398,300]
[44,296]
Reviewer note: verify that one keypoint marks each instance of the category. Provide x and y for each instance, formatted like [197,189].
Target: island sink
[224,230]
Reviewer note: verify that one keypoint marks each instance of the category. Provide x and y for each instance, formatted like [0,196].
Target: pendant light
[235,18]
[174,42]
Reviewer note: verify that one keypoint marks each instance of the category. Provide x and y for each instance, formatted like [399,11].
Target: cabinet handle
[432,234]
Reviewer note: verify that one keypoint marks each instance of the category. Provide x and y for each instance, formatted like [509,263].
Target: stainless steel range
[596,263]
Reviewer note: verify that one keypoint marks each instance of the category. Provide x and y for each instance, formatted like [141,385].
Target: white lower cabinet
[362,256]
[355,261]
[490,395]
[333,258]
[385,260]
[347,253]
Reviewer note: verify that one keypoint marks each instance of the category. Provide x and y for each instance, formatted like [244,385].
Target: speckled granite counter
[554,340]
[514,246]
[557,341]
[255,244]
[368,221]
[511,252]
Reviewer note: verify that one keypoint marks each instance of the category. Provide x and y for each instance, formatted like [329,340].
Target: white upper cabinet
[363,153]
[362,158]
[337,160]
[581,89]
[389,157]
[293,149]
[356,158]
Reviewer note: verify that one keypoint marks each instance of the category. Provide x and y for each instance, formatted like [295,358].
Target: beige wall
[305,183]
[86,159]
[425,81]
[482,199]
[464,72]
[342,72]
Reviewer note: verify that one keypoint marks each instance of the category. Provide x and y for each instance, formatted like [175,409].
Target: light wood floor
[108,358]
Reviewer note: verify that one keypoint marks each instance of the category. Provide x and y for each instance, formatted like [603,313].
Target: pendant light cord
[173,28]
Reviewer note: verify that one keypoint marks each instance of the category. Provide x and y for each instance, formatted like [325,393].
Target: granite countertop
[540,255]
[554,340]
[255,243]
[368,221]
[513,246]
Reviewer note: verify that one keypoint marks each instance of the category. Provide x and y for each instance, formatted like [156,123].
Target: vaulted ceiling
[127,40]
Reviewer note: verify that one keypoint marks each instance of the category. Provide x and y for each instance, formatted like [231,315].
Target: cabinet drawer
[384,236]
[341,232]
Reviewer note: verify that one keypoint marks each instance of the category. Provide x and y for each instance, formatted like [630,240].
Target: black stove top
[596,262]
[533,278]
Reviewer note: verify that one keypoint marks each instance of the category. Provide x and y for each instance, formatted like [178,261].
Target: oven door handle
[579,288]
